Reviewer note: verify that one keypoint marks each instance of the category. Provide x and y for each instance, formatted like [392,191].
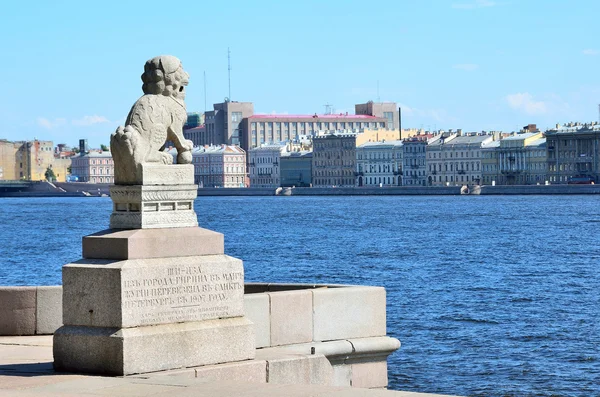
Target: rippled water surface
[490,296]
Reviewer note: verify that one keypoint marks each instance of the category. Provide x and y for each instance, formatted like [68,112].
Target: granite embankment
[535,189]
[62,189]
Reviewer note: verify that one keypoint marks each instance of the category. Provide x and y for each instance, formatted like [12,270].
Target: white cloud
[475,4]
[90,120]
[591,51]
[523,101]
[469,67]
[50,124]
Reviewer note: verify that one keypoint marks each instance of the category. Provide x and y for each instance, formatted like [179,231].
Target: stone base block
[153,207]
[171,174]
[141,292]
[111,351]
[152,243]
[17,310]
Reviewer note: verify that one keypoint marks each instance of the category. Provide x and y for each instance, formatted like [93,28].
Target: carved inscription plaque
[183,289]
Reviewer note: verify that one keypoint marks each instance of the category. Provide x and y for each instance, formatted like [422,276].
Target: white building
[379,164]
[264,165]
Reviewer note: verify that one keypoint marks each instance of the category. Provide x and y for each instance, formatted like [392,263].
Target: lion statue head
[164,75]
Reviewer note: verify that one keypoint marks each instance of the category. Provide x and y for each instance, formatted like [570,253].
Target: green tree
[104,148]
[75,149]
[50,175]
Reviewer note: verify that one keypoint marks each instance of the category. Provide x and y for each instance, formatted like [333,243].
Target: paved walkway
[26,370]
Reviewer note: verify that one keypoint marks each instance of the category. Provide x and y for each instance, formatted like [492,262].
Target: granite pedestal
[157,293]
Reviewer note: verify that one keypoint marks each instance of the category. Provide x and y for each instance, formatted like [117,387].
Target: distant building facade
[29,160]
[296,169]
[219,166]
[223,124]
[195,135]
[518,159]
[265,129]
[490,168]
[265,166]
[386,110]
[194,120]
[379,163]
[414,159]
[573,153]
[9,166]
[93,167]
[456,159]
[334,159]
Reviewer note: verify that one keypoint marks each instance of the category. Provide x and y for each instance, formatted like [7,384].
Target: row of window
[315,126]
[438,155]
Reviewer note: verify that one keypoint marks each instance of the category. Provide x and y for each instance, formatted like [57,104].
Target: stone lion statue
[157,117]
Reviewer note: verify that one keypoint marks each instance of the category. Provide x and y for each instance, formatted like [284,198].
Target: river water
[489,295]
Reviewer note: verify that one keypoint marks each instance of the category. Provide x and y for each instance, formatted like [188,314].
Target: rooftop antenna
[328,108]
[229,70]
[205,91]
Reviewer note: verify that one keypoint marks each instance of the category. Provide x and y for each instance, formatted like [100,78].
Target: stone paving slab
[26,371]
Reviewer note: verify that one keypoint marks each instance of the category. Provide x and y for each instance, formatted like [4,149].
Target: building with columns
[514,158]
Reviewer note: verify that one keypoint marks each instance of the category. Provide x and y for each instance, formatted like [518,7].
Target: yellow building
[382,135]
[514,159]
[8,160]
[29,160]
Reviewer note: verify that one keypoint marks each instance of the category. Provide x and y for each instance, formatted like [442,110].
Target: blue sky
[73,68]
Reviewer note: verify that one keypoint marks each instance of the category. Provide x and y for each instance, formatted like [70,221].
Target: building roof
[97,154]
[541,142]
[303,153]
[374,145]
[315,116]
[491,145]
[470,140]
[517,137]
[269,146]
[216,149]
[199,128]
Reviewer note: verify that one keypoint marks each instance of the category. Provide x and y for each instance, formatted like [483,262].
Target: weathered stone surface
[254,371]
[135,350]
[17,310]
[291,317]
[160,174]
[152,207]
[356,312]
[342,375]
[314,369]
[48,310]
[157,117]
[256,307]
[370,374]
[103,293]
[152,243]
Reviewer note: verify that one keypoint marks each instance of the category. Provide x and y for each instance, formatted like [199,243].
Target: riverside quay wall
[305,334]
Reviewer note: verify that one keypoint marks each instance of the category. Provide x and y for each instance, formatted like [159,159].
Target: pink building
[93,167]
[219,166]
